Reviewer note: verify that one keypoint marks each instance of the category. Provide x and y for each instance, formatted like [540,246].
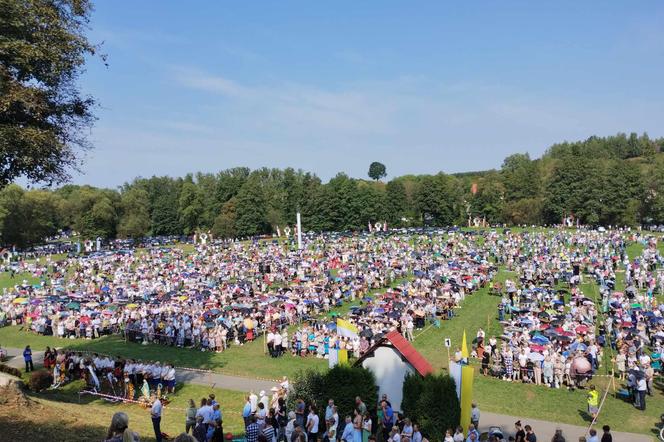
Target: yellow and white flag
[346,329]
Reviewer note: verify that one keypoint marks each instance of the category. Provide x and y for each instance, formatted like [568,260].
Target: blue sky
[331,86]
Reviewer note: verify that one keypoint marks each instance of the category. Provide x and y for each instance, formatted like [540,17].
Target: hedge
[432,402]
[342,384]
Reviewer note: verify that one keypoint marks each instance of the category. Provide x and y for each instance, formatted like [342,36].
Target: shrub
[413,385]
[10,370]
[432,402]
[307,386]
[341,384]
[40,380]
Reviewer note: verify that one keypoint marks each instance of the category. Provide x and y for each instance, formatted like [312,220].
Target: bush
[307,386]
[10,370]
[341,384]
[40,380]
[432,402]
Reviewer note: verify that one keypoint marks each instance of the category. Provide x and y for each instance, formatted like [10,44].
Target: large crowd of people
[560,312]
[559,337]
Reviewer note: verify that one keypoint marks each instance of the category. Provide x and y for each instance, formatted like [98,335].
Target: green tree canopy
[43,116]
[377,171]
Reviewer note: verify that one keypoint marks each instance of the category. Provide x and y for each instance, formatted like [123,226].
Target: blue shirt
[348,432]
[246,411]
[387,419]
[27,355]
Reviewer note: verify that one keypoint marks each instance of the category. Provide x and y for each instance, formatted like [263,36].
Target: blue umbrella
[578,346]
[332,326]
[540,339]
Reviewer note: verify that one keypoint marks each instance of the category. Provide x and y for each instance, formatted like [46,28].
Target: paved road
[219,380]
[543,429]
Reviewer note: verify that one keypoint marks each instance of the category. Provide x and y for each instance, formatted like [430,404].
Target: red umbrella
[85,319]
[582,329]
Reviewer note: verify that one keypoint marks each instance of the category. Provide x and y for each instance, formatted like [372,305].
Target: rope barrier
[606,392]
[132,401]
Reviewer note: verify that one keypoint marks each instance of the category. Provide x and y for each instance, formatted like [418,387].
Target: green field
[478,310]
[65,416]
[248,360]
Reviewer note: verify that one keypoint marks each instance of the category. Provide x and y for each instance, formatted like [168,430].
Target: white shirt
[313,419]
[156,408]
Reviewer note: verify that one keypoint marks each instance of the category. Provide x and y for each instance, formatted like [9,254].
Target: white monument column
[299,231]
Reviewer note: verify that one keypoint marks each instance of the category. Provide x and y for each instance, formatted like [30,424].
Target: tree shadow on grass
[47,428]
[585,416]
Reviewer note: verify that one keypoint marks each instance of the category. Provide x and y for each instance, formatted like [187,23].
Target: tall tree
[43,116]
[520,177]
[190,207]
[396,201]
[224,224]
[377,170]
[135,219]
[251,209]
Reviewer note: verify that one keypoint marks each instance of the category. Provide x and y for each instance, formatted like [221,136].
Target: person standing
[190,420]
[27,357]
[329,411]
[607,437]
[641,389]
[520,435]
[388,419]
[367,427]
[312,425]
[593,435]
[246,413]
[252,431]
[155,412]
[475,416]
[530,434]
[593,402]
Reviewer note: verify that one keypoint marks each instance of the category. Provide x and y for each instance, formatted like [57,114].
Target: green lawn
[477,310]
[6,282]
[248,360]
[89,417]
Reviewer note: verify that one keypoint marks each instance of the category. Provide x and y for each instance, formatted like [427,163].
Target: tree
[224,224]
[396,201]
[436,199]
[377,170]
[432,402]
[251,209]
[43,116]
[91,212]
[190,207]
[520,177]
[135,219]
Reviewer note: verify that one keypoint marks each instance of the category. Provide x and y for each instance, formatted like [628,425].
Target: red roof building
[390,359]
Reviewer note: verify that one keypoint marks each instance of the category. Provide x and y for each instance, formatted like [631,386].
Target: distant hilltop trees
[616,180]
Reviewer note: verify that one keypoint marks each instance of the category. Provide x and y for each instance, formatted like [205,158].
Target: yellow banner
[464,347]
[346,329]
[467,374]
[343,356]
